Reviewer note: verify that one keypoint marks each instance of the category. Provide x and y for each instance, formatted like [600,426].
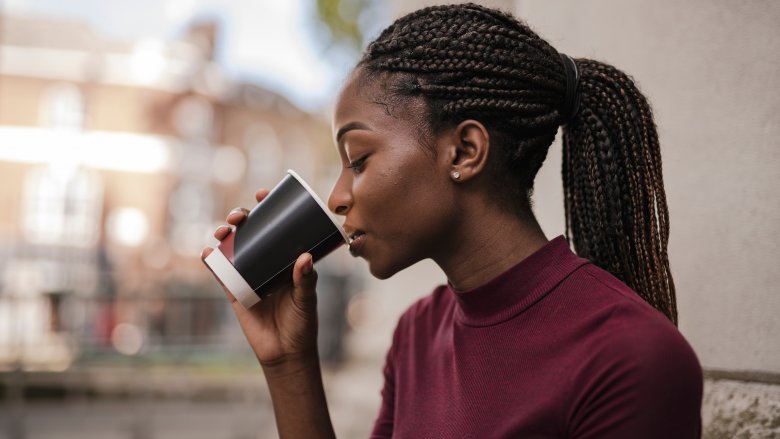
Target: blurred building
[118,159]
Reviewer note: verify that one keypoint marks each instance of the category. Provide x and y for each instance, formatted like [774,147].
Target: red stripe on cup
[226,246]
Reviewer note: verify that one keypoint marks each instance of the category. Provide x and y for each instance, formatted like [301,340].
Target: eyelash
[357,165]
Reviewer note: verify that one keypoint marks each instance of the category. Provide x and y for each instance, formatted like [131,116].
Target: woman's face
[391,187]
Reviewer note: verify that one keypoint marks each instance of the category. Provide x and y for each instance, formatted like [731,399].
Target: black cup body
[290,221]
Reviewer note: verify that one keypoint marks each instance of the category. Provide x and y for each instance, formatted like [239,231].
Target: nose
[340,199]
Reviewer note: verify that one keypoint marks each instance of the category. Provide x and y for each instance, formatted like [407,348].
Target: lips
[357,241]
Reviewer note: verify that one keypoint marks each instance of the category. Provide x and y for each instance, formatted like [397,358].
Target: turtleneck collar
[516,289]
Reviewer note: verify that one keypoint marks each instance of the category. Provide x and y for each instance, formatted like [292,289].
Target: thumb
[305,282]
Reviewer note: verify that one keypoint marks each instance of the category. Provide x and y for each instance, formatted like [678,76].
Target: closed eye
[357,165]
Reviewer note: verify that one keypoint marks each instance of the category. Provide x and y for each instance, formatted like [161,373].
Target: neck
[488,245]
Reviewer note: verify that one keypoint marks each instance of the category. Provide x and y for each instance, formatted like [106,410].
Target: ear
[469,149]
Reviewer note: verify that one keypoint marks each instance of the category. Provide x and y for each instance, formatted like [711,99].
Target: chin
[384,271]
[381,273]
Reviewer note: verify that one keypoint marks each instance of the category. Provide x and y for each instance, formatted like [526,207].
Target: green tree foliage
[342,17]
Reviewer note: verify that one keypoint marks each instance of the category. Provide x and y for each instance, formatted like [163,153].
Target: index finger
[261,194]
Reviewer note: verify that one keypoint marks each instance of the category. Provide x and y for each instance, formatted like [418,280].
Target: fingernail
[222,227]
[308,267]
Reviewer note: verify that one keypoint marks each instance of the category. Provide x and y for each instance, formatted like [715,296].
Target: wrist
[291,365]
[298,396]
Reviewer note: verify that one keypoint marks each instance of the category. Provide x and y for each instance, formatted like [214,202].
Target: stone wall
[740,409]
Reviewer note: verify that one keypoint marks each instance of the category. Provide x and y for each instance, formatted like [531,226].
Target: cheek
[380,181]
[412,209]
[382,196]
[399,197]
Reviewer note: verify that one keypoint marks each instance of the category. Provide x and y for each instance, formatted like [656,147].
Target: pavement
[172,403]
[138,419]
[181,402]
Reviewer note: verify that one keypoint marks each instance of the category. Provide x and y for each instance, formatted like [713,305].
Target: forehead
[368,101]
[351,100]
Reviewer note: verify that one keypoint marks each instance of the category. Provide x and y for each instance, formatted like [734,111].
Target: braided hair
[471,62]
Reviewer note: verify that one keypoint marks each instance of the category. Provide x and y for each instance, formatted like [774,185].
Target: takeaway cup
[258,257]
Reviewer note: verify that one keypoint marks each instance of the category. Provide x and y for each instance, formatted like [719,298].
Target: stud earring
[456,175]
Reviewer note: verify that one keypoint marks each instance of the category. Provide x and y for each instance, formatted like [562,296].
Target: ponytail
[615,206]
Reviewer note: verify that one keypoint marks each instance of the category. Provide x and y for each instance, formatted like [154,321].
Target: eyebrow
[349,127]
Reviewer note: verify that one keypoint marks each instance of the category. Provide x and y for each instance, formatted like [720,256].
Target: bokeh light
[127,338]
[127,226]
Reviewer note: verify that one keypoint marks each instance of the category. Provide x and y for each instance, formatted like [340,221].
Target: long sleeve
[383,426]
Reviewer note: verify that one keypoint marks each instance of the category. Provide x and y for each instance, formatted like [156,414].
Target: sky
[276,44]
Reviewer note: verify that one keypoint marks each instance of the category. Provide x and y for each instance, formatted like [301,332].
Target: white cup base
[232,279]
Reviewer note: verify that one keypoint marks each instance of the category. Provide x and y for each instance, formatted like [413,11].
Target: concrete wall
[710,70]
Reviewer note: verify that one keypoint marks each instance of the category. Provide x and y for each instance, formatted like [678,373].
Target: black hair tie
[571,102]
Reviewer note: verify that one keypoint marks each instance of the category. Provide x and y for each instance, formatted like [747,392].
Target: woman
[441,129]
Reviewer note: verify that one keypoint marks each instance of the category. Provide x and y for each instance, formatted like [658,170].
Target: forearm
[298,398]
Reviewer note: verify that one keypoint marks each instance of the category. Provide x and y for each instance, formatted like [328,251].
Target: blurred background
[129,129]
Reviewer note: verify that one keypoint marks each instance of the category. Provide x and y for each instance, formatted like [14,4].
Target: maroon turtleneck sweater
[553,348]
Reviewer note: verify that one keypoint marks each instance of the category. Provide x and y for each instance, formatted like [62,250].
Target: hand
[283,326]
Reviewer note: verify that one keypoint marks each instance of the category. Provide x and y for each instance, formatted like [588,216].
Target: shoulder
[630,356]
[621,324]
